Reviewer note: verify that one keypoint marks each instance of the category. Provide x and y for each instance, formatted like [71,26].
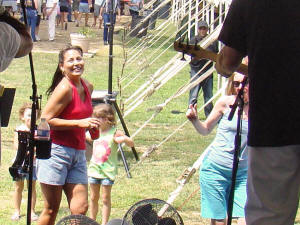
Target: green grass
[155,177]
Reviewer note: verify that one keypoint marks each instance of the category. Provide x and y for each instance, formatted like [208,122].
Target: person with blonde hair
[103,166]
[216,169]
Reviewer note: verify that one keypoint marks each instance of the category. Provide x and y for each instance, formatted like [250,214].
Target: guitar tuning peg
[183,59]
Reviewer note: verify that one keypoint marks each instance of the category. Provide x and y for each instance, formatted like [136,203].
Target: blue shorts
[27,175]
[215,183]
[101,181]
[84,8]
[65,166]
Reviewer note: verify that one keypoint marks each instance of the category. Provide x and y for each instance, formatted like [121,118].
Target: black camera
[20,167]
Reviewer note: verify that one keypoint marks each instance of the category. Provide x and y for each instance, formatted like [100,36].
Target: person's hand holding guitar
[200,53]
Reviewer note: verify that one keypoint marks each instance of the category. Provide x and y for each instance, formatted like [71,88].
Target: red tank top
[77,109]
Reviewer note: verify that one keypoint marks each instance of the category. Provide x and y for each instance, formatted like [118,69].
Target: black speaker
[6,102]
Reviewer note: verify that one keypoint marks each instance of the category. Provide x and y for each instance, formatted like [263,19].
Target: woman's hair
[230,88]
[27,105]
[58,75]
[105,111]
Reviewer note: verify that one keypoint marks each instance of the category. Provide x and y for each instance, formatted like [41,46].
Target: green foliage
[88,32]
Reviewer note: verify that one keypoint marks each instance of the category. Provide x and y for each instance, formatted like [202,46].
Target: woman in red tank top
[68,112]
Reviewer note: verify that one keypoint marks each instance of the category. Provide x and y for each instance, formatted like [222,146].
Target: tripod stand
[111,98]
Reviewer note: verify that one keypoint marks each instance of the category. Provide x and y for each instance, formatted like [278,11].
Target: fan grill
[77,220]
[146,212]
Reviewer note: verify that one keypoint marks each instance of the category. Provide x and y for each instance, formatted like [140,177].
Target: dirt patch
[62,37]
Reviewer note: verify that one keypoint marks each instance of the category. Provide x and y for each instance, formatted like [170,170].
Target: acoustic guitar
[200,53]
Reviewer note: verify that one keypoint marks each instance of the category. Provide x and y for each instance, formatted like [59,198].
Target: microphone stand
[239,102]
[110,70]
[31,146]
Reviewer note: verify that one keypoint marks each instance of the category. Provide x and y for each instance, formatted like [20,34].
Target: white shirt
[99,2]
[9,45]
[50,3]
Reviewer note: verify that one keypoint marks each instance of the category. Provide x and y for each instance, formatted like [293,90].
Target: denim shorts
[84,8]
[34,178]
[65,166]
[102,181]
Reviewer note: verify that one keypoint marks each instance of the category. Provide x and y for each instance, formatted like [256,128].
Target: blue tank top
[222,147]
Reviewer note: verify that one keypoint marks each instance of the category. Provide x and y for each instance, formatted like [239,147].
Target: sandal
[16,216]
[34,217]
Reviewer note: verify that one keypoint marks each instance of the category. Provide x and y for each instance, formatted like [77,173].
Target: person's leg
[52,197]
[106,200]
[80,11]
[65,19]
[78,19]
[240,196]
[207,87]
[33,24]
[62,19]
[77,196]
[193,96]
[69,17]
[76,187]
[100,22]
[273,185]
[105,29]
[113,23]
[37,28]
[96,14]
[214,186]
[17,199]
[33,200]
[95,21]
[95,195]
[31,21]
[51,24]
[241,221]
[75,8]
[86,20]
[217,222]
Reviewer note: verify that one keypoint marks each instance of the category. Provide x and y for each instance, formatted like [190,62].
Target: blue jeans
[69,17]
[31,21]
[207,87]
[106,19]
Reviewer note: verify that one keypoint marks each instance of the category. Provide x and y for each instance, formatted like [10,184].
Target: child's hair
[105,111]
[27,105]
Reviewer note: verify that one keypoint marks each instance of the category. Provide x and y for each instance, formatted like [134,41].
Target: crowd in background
[59,13]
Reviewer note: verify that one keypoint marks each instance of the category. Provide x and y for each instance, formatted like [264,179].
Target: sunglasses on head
[237,83]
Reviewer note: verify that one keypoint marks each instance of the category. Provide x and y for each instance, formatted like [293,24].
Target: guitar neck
[198,52]
[206,54]
[243,69]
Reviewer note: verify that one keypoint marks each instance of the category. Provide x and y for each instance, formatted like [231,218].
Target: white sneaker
[37,38]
